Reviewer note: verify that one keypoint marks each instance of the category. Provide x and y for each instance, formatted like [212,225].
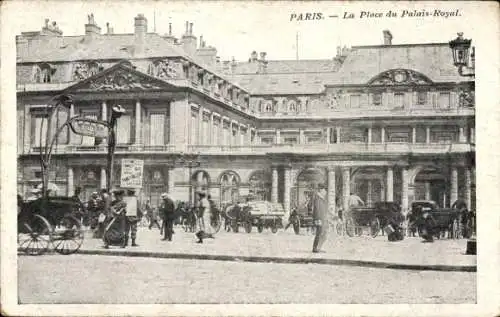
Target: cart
[372,218]
[262,214]
[50,221]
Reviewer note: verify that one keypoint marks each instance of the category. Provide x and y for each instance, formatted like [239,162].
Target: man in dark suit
[167,210]
[320,217]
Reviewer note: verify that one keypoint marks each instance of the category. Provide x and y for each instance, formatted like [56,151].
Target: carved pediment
[399,77]
[120,77]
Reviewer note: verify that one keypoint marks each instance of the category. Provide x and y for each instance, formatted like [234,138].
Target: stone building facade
[387,122]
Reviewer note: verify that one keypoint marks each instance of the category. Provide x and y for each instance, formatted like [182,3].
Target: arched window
[292,106]
[268,107]
[260,185]
[306,184]
[200,182]
[43,72]
[229,188]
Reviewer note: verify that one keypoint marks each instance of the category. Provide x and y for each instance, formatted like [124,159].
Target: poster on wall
[132,173]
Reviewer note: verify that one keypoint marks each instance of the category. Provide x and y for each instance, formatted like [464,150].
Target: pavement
[287,247]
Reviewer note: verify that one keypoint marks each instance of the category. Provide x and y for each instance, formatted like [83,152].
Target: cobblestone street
[105,279]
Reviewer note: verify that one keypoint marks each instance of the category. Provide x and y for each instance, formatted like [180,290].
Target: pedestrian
[320,218]
[133,216]
[167,210]
[115,230]
[429,226]
[204,216]
[152,216]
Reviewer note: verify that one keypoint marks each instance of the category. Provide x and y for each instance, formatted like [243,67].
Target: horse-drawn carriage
[49,221]
[373,218]
[262,214]
[458,223]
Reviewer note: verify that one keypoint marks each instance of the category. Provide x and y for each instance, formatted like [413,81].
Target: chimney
[51,29]
[262,63]
[253,57]
[109,29]
[140,30]
[387,37]
[206,53]
[91,28]
[189,40]
[169,37]
[339,51]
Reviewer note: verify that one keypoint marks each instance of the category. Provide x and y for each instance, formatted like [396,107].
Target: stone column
[104,111]
[331,190]
[413,135]
[71,135]
[370,135]
[346,187]
[274,185]
[286,194]
[382,135]
[71,188]
[369,193]
[200,127]
[278,136]
[138,138]
[328,135]
[404,194]
[337,131]
[454,185]
[301,137]
[461,135]
[103,177]
[467,194]
[427,135]
[171,180]
[427,190]
[390,184]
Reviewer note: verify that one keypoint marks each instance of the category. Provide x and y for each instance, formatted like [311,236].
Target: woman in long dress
[204,218]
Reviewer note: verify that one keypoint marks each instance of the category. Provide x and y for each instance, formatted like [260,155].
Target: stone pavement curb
[292,260]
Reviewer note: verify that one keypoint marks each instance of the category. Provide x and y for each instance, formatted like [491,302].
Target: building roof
[104,46]
[289,66]
[281,84]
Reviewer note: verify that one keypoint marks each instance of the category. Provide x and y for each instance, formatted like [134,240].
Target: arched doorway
[88,182]
[229,188]
[156,185]
[368,184]
[260,185]
[305,185]
[200,182]
[430,183]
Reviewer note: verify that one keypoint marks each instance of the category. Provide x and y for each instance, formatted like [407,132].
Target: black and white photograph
[253,157]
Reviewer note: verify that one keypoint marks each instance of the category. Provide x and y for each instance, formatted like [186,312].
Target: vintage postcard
[250,158]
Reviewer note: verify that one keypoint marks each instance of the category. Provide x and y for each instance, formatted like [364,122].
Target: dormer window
[377,99]
[422,97]
[268,107]
[292,106]
[43,73]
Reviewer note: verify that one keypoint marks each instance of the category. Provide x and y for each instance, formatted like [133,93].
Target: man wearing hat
[320,217]
[133,214]
[167,210]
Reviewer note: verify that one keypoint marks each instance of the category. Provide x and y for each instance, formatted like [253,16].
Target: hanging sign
[132,173]
[89,127]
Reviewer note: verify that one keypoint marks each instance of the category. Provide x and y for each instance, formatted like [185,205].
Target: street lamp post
[46,154]
[116,112]
[465,61]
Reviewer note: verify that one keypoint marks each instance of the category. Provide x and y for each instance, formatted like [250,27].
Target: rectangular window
[354,101]
[267,140]
[290,140]
[194,129]
[157,130]
[39,130]
[123,129]
[399,100]
[215,133]
[422,97]
[444,100]
[377,99]
[206,131]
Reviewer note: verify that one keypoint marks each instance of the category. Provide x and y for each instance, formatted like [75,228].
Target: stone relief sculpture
[85,70]
[163,69]
[400,77]
[332,101]
[122,80]
[466,98]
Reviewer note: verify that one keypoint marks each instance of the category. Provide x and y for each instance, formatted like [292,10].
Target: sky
[236,28]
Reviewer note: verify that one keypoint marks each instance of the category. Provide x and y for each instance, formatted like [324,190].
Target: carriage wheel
[296,226]
[68,237]
[37,238]
[216,223]
[374,227]
[248,227]
[349,227]
[455,229]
